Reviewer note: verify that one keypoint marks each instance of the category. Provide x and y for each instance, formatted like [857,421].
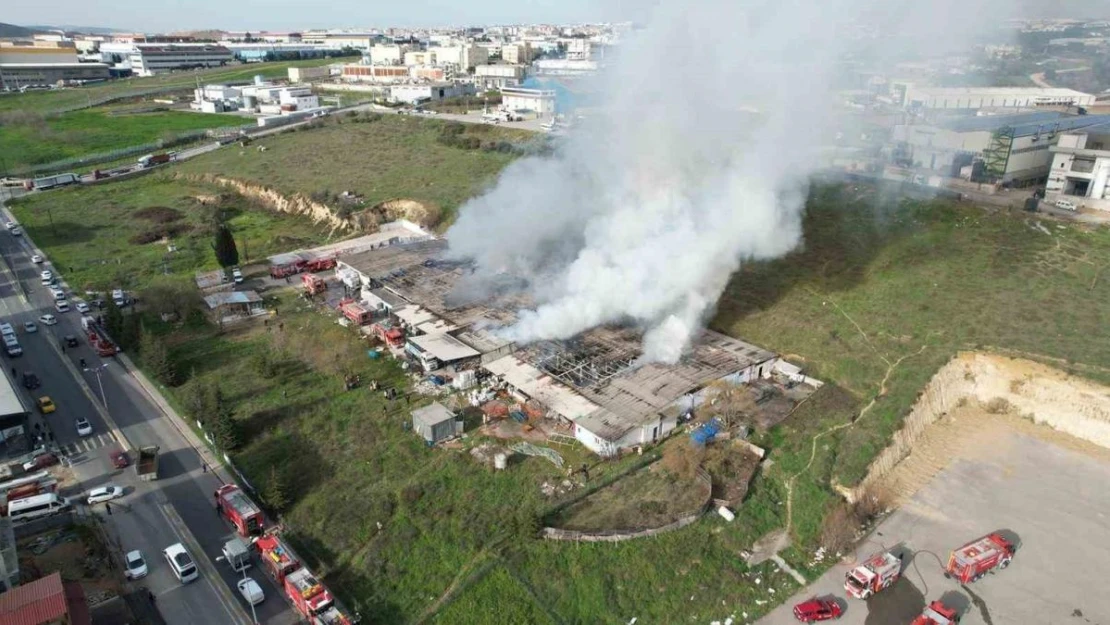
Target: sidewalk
[215,465]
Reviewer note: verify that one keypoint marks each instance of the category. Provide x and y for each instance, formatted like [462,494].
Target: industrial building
[972,98]
[151,59]
[498,76]
[388,54]
[521,100]
[594,383]
[16,75]
[1081,168]
[1011,149]
[15,434]
[427,92]
[375,73]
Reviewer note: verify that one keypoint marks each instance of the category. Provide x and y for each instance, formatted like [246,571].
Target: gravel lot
[1053,498]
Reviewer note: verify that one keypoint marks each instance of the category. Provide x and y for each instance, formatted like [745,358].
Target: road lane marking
[88,447]
[230,605]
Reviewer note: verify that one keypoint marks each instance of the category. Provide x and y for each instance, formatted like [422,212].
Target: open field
[392,156]
[877,300]
[90,232]
[999,473]
[34,140]
[64,99]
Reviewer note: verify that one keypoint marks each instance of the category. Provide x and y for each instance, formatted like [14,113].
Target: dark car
[30,380]
[120,459]
[817,609]
[40,461]
[71,341]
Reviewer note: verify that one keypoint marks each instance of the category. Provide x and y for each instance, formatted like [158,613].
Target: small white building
[435,423]
[521,100]
[1081,168]
[388,54]
[417,93]
[438,350]
[299,97]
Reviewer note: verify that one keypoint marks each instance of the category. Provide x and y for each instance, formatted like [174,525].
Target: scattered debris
[528,449]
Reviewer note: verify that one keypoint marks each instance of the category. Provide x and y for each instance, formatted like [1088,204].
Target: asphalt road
[178,506]
[1052,499]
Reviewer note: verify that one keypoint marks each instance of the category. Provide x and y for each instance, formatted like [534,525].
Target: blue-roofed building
[1010,149]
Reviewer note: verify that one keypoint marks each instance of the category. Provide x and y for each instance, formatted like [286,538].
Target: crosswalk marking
[87,444]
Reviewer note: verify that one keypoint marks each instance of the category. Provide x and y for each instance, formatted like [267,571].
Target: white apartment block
[498,76]
[388,55]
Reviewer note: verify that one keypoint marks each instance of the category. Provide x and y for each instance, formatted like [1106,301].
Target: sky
[176,15]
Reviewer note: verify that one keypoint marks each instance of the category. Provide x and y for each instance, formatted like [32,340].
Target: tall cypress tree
[224,245]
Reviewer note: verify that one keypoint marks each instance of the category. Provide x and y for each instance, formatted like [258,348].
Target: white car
[251,591]
[46,275]
[6,329]
[180,563]
[16,231]
[237,276]
[29,327]
[35,258]
[48,281]
[81,307]
[46,320]
[104,493]
[84,428]
[1067,205]
[57,293]
[9,225]
[136,564]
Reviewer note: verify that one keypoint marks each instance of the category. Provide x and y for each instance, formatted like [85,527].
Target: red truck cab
[937,614]
[979,557]
[235,506]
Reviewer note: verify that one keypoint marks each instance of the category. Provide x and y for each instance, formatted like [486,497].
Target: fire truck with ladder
[937,614]
[878,573]
[98,338]
[979,557]
[312,600]
[233,504]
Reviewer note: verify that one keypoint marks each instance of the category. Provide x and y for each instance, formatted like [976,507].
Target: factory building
[1081,168]
[306,74]
[426,92]
[257,52]
[1011,149]
[375,73]
[498,76]
[17,75]
[151,59]
[909,96]
[38,53]
[594,387]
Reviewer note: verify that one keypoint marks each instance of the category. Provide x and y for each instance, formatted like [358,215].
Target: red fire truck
[309,596]
[937,614]
[313,283]
[391,335]
[879,572]
[277,558]
[319,264]
[233,503]
[354,311]
[979,557]
[98,338]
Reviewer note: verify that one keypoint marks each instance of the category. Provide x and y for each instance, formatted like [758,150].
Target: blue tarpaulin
[706,431]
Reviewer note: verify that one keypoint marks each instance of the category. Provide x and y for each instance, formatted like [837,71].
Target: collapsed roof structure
[595,380]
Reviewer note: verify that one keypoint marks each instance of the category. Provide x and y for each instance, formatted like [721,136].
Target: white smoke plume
[696,162]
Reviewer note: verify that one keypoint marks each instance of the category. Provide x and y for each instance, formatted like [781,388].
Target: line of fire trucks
[967,564]
[312,600]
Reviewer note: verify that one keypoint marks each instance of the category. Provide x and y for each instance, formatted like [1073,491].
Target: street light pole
[99,382]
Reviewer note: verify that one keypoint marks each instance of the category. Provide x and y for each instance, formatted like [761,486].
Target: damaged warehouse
[595,384]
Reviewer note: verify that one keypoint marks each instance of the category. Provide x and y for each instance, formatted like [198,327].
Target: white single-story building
[435,423]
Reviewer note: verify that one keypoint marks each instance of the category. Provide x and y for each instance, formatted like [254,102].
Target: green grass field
[40,140]
[396,156]
[49,101]
[879,296]
[89,231]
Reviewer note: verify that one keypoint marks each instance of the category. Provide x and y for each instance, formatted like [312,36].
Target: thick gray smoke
[697,162]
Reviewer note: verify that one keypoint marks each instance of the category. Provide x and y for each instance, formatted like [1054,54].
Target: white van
[61,306]
[11,346]
[181,563]
[37,506]
[1067,205]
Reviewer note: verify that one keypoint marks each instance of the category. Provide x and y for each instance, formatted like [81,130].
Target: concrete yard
[1052,497]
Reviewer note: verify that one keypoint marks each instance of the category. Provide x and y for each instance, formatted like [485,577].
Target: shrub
[838,531]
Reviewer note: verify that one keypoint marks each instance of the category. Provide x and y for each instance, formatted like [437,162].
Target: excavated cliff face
[364,220]
[1000,384]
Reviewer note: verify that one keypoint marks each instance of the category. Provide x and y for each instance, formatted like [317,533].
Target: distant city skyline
[275,15]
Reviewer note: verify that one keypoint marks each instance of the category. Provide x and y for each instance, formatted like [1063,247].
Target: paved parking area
[1053,499]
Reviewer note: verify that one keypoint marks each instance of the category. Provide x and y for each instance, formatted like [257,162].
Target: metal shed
[434,423]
